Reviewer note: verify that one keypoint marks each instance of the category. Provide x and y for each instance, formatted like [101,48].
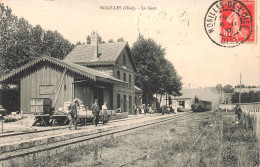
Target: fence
[229,107]
[251,117]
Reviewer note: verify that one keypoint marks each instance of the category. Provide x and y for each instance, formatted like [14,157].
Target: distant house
[95,71]
[184,103]
[181,101]
[247,89]
[207,94]
[226,98]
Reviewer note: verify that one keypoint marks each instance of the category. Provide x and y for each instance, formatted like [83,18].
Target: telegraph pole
[240,89]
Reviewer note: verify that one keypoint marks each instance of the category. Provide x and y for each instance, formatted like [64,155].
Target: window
[124,60]
[118,74]
[124,77]
[130,81]
[46,89]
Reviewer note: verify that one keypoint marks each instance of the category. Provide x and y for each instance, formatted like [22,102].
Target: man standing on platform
[73,110]
[163,108]
[95,112]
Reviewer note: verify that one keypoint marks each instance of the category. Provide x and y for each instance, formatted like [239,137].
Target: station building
[104,71]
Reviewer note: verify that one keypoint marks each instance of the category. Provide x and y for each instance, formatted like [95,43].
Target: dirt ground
[24,124]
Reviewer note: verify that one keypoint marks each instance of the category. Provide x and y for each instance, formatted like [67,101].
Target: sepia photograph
[129,83]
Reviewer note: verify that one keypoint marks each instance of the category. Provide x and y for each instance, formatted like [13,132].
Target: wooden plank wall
[44,75]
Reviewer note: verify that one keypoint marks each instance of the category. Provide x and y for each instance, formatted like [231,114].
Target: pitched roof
[108,54]
[81,70]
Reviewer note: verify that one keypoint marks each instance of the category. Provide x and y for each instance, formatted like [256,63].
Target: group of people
[142,109]
[73,111]
[96,112]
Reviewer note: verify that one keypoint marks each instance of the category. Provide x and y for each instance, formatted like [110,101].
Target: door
[130,105]
[100,96]
[125,104]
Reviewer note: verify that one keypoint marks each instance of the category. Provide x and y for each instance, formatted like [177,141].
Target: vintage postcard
[129,83]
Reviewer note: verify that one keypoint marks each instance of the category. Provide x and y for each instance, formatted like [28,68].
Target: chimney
[94,45]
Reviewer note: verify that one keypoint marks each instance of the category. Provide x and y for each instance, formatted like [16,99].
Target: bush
[246,97]
[10,99]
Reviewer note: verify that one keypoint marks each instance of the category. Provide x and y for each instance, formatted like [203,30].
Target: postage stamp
[229,23]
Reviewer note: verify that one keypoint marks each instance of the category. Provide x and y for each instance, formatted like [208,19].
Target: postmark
[229,23]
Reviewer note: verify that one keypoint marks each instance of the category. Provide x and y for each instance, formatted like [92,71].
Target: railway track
[147,156]
[54,148]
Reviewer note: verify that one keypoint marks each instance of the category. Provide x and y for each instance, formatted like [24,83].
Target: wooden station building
[103,71]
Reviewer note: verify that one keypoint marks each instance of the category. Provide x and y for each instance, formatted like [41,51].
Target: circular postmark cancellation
[228,23]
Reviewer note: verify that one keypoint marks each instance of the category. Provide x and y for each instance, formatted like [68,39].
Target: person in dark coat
[238,112]
[163,109]
[73,108]
[95,112]
[135,109]
[196,99]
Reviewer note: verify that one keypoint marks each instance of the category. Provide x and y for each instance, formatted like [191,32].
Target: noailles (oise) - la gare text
[128,8]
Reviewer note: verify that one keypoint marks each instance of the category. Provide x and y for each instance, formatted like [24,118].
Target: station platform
[25,125]
[58,134]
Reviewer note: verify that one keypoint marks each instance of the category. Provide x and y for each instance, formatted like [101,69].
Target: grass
[194,141]
[239,148]
[72,155]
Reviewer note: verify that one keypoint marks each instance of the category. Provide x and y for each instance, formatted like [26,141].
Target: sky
[176,25]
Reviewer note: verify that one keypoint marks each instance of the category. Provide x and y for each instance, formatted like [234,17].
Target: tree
[7,29]
[11,100]
[78,43]
[155,73]
[246,97]
[228,89]
[98,37]
[242,86]
[219,87]
[55,45]
[20,42]
[110,41]
[120,39]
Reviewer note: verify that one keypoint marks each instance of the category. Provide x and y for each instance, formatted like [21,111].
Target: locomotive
[201,106]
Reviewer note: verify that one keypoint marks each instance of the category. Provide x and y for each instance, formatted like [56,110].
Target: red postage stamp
[229,23]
